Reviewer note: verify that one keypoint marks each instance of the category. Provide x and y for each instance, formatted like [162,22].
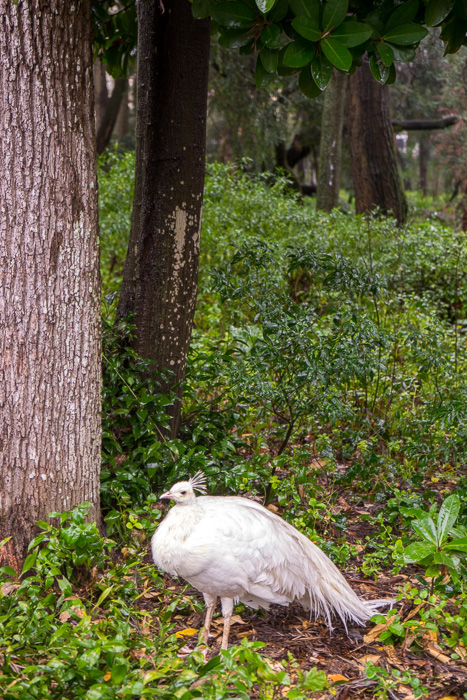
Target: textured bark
[49,267]
[160,275]
[330,147]
[373,159]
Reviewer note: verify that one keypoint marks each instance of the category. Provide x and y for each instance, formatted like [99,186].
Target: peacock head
[183,492]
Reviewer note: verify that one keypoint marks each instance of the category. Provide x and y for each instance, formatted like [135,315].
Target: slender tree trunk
[373,159]
[49,268]
[330,147]
[101,92]
[161,269]
[109,118]
[122,123]
[423,162]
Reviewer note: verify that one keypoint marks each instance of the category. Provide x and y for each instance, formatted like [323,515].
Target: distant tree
[330,145]
[49,268]
[372,152]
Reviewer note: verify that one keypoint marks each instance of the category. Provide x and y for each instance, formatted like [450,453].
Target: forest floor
[343,657]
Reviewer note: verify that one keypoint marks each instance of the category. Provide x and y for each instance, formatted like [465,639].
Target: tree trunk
[330,147]
[161,269]
[373,159]
[49,268]
[101,92]
[122,123]
[423,158]
[106,127]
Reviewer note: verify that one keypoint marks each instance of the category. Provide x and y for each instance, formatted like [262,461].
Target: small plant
[442,547]
[387,682]
[72,548]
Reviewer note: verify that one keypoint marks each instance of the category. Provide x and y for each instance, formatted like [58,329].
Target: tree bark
[49,268]
[161,269]
[373,159]
[330,147]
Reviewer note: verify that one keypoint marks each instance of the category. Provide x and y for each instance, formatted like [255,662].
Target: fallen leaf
[377,629]
[9,588]
[273,508]
[150,594]
[108,676]
[64,616]
[189,632]
[369,658]
[437,654]
[336,678]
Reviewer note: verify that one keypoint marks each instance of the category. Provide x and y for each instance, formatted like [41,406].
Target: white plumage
[235,549]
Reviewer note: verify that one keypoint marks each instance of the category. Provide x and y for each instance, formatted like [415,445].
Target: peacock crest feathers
[198,482]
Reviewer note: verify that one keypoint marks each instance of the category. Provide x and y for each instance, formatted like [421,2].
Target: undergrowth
[327,372]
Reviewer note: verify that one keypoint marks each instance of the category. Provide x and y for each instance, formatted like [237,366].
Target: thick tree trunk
[373,159]
[161,269]
[330,147]
[49,268]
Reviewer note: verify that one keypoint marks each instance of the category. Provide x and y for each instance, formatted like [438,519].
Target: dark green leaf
[404,55]
[271,36]
[234,38]
[202,8]
[307,27]
[29,562]
[437,11]
[406,34]
[352,33]
[453,35]
[262,77]
[444,558]
[403,14]
[379,71]
[337,54]
[264,5]
[392,75]
[118,673]
[426,528]
[306,8]
[447,516]
[269,59]
[459,544]
[417,551]
[299,53]
[321,70]
[386,53]
[335,12]
[234,14]
[306,83]
[279,11]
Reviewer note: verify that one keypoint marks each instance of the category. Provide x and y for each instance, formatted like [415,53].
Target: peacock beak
[165,497]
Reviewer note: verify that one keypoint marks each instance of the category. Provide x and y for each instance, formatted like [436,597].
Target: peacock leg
[210,602]
[227,609]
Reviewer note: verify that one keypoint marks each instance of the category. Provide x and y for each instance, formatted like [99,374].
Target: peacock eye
[183,492]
